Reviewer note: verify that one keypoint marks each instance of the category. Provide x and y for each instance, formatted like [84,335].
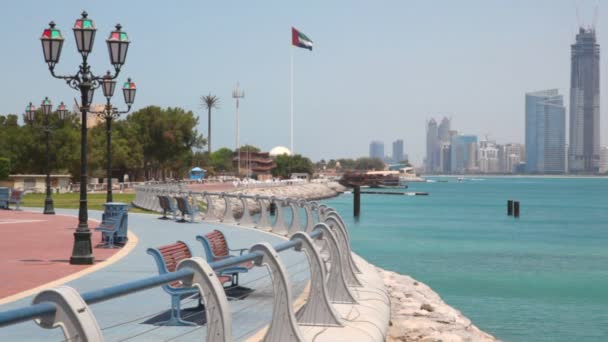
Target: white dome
[279,150]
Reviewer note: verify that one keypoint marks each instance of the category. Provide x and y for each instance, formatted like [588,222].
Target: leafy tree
[221,160]
[209,102]
[365,163]
[5,168]
[248,148]
[286,165]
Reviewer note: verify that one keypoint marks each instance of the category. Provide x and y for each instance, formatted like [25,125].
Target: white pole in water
[291,121]
[238,94]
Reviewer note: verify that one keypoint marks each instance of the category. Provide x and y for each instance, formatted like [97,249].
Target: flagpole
[291,91]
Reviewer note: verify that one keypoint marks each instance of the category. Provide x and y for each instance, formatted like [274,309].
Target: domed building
[279,150]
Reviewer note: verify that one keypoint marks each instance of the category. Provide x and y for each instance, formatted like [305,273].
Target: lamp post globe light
[108,84]
[85,82]
[30,117]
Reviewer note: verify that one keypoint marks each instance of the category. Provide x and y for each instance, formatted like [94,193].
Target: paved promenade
[131,318]
[35,249]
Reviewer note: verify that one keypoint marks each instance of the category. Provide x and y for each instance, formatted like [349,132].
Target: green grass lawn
[71,201]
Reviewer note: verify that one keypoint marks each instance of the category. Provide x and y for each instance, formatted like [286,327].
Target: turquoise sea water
[542,277]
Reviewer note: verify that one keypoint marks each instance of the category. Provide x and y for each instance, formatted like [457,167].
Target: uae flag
[299,39]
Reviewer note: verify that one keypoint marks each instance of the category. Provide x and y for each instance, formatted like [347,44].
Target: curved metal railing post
[279,225]
[337,287]
[246,219]
[342,226]
[346,257]
[217,311]
[72,314]
[228,211]
[264,221]
[295,225]
[317,310]
[283,325]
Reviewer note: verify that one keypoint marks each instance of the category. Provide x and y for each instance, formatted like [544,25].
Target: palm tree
[208,102]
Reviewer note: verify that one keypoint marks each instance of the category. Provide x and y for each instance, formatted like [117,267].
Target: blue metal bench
[167,258]
[216,248]
[110,228]
[184,206]
[5,194]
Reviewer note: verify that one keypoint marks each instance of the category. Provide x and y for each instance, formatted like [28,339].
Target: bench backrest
[170,203]
[216,246]
[167,257]
[162,201]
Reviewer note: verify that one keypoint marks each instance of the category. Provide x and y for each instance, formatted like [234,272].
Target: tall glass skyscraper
[398,155]
[376,149]
[584,153]
[545,132]
[432,146]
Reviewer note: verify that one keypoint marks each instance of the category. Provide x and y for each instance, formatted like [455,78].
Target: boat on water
[408,174]
[372,179]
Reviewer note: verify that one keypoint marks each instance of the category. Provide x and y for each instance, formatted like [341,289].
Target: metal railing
[323,238]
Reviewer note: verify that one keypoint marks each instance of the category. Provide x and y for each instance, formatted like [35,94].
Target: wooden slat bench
[167,257]
[183,204]
[216,248]
[167,205]
[16,197]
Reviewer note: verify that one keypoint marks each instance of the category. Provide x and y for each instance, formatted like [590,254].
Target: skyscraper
[585,103]
[545,132]
[444,130]
[432,146]
[463,153]
[376,149]
[398,151]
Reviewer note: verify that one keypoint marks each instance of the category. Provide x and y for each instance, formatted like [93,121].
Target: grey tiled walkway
[122,319]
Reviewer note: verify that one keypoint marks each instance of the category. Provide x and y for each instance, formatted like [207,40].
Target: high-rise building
[432,147]
[443,131]
[488,157]
[603,159]
[398,155]
[463,154]
[376,149]
[583,156]
[509,156]
[545,132]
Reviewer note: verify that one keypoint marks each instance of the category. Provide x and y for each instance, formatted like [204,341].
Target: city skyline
[455,75]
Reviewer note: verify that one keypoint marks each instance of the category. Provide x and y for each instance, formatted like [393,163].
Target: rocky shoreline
[419,314]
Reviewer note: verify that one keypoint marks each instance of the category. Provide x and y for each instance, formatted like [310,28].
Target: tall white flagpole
[291,122]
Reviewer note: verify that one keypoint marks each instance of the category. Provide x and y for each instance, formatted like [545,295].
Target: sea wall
[419,314]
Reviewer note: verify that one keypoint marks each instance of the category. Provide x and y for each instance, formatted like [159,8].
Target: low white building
[37,183]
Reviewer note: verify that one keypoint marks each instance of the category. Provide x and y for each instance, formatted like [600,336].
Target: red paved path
[35,249]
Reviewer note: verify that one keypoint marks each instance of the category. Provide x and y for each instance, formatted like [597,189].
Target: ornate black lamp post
[109,113]
[30,117]
[84,81]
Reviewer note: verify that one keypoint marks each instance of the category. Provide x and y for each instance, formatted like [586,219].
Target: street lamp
[238,94]
[30,117]
[108,84]
[85,82]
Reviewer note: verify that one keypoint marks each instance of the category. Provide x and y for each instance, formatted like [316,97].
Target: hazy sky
[379,69]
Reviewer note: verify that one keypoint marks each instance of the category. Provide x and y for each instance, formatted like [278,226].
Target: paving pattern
[35,249]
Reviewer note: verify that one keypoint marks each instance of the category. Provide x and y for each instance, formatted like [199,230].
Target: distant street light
[238,94]
[85,82]
[30,117]
[109,113]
